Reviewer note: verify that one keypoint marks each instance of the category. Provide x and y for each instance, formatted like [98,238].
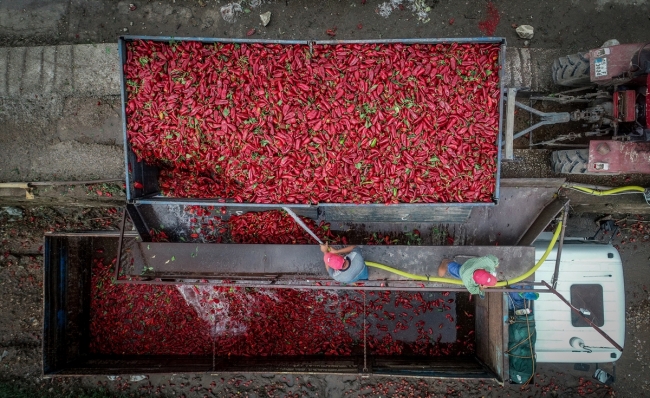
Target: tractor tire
[571,70]
[572,161]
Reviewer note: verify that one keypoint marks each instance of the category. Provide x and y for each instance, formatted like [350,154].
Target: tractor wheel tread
[571,70]
[571,161]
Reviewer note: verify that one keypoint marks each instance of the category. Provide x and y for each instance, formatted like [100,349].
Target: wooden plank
[505,332]
[533,182]
[482,330]
[12,192]
[495,326]
[613,204]
[490,329]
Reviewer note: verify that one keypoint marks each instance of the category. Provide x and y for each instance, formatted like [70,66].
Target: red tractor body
[617,157]
[622,71]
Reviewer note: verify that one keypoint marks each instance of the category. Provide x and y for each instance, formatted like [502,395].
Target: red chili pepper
[233,131]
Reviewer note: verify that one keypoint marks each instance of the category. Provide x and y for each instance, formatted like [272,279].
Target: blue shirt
[352,274]
[488,263]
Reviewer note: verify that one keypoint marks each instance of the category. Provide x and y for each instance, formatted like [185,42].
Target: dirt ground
[21,278]
[571,25]
[568,25]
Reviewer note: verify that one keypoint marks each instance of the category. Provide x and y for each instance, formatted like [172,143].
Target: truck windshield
[588,298]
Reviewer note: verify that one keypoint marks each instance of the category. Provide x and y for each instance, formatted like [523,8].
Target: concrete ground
[59,72]
[60,115]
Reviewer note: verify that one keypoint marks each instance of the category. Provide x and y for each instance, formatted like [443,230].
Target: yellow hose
[415,277]
[548,251]
[613,191]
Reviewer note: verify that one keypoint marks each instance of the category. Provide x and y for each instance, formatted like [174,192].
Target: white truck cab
[591,278]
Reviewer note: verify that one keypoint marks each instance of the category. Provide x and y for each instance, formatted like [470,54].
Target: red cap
[334,260]
[482,277]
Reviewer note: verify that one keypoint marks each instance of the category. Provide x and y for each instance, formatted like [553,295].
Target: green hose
[427,278]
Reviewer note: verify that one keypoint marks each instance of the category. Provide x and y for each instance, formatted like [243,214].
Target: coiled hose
[427,278]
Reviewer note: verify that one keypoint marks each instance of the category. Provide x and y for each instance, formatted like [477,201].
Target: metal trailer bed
[147,200]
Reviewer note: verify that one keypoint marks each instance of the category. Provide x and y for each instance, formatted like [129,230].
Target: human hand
[325,248]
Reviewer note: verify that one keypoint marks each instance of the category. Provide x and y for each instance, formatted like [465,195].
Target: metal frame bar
[558,256]
[502,71]
[138,222]
[119,247]
[149,199]
[328,365]
[444,40]
[163,200]
[543,220]
[510,123]
[333,286]
[93,234]
[547,118]
[121,50]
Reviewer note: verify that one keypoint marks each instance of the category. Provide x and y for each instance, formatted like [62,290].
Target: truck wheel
[572,161]
[571,70]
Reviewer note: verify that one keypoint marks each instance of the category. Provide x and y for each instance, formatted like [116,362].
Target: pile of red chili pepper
[276,227]
[137,319]
[129,319]
[348,123]
[205,224]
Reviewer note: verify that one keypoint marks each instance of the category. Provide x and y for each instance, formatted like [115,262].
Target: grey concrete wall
[81,70]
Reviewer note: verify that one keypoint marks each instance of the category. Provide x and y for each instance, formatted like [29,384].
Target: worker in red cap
[476,273]
[346,269]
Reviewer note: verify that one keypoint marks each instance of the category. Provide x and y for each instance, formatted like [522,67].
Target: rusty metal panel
[491,333]
[617,157]
[521,200]
[544,218]
[402,213]
[232,261]
[610,62]
[625,105]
